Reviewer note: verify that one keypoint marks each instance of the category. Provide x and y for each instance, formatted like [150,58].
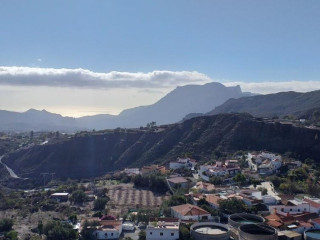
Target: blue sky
[228,41]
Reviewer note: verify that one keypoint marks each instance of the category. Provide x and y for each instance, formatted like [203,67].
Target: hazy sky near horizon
[87,57]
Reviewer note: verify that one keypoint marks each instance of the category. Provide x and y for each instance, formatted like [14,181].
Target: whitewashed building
[183,163]
[293,206]
[109,229]
[163,228]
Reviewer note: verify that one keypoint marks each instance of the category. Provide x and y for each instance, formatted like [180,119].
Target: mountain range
[169,109]
[272,105]
[96,153]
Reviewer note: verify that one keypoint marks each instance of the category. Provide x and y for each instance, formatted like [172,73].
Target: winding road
[11,172]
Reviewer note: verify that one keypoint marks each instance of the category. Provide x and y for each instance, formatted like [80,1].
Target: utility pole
[52,175]
[44,177]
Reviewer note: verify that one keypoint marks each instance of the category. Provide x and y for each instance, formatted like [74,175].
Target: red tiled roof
[163,219]
[189,210]
[316,220]
[206,186]
[306,224]
[274,224]
[214,199]
[312,203]
[177,180]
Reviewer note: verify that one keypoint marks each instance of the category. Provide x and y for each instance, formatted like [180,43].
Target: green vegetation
[6,225]
[78,196]
[144,214]
[153,182]
[240,179]
[142,235]
[100,203]
[184,232]
[232,205]
[55,230]
[12,235]
[173,201]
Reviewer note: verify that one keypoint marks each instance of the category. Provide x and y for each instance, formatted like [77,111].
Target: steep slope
[98,153]
[278,104]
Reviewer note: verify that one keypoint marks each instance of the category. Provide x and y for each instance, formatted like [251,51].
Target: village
[224,199]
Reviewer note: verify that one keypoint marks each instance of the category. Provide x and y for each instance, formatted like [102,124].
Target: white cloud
[274,87]
[86,79]
[28,76]
[39,60]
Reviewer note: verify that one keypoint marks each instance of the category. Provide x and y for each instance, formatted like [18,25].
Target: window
[172,234]
[106,234]
[290,209]
[161,234]
[150,233]
[111,234]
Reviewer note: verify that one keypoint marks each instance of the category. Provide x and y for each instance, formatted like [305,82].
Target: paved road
[269,187]
[133,234]
[11,172]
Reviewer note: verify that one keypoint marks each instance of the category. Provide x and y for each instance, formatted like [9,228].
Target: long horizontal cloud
[274,87]
[27,76]
[51,77]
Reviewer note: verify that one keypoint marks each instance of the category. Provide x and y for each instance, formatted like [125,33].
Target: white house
[109,229]
[269,200]
[190,212]
[132,171]
[314,204]
[183,163]
[219,169]
[163,228]
[293,207]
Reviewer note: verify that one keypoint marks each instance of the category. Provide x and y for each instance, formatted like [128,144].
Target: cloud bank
[83,78]
[27,76]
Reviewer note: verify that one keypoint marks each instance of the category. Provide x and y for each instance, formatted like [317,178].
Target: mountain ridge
[169,109]
[272,105]
[95,154]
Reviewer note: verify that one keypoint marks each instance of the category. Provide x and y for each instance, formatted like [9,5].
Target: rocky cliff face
[98,153]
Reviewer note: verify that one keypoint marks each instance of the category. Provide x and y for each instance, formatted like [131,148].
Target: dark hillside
[270,105]
[96,153]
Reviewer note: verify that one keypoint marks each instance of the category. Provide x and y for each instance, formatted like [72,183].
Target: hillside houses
[153,169]
[190,212]
[163,228]
[219,169]
[183,163]
[264,163]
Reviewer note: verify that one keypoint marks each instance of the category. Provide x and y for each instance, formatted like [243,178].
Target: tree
[144,214]
[184,232]
[73,218]
[263,190]
[142,235]
[215,180]
[232,205]
[240,178]
[6,225]
[100,203]
[78,196]
[55,230]
[12,235]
